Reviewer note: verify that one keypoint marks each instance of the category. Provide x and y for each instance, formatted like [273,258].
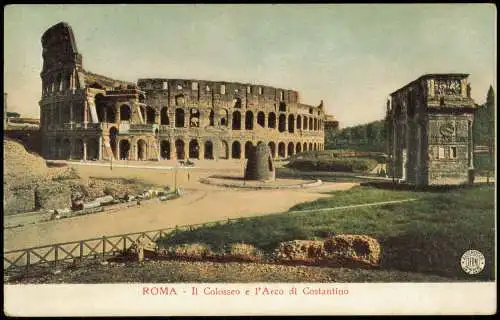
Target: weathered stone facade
[429,124]
[88,116]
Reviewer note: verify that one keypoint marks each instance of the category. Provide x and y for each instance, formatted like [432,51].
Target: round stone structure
[260,164]
[88,116]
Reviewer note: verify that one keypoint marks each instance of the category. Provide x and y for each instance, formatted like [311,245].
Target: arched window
[125,113]
[261,119]
[248,120]
[236,150]
[194,149]
[179,118]
[291,123]
[164,116]
[282,123]
[271,121]
[236,120]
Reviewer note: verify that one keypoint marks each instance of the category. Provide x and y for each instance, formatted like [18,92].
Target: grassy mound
[426,236]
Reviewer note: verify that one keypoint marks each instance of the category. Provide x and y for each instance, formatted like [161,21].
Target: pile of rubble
[80,206]
[340,250]
[344,250]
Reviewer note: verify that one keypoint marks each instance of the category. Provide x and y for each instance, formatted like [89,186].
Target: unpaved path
[200,203]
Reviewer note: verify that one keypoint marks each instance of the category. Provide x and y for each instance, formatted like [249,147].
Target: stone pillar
[85,113]
[99,152]
[117,112]
[59,112]
[71,112]
[84,150]
[173,153]
[201,150]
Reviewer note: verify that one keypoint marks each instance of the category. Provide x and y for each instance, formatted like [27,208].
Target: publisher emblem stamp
[472,261]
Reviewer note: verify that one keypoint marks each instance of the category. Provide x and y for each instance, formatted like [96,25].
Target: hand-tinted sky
[350,56]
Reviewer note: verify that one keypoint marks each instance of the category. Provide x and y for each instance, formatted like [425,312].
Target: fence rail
[104,246]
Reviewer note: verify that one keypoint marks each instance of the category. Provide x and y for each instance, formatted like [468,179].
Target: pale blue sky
[351,56]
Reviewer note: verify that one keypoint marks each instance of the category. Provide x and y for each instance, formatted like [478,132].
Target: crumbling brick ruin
[89,116]
[430,130]
[260,164]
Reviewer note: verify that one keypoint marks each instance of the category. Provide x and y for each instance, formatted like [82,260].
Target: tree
[490,108]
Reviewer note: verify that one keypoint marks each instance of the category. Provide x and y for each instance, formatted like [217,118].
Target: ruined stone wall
[86,115]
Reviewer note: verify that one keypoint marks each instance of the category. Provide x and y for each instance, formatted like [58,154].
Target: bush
[335,164]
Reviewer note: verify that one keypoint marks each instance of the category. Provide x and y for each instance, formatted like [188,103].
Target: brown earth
[199,271]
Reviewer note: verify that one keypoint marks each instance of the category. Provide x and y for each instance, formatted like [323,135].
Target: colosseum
[87,116]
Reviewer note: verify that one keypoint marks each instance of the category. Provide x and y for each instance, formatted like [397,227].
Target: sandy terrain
[200,203]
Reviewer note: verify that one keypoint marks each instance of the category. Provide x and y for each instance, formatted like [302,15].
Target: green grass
[427,236]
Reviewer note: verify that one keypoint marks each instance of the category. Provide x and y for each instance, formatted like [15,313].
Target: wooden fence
[105,246]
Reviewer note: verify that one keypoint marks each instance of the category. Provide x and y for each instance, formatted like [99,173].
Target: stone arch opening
[78,149]
[282,123]
[179,149]
[236,120]
[272,148]
[248,147]
[282,107]
[66,149]
[194,118]
[271,121]
[165,150]
[194,149]
[310,146]
[211,118]
[125,112]
[150,115]
[113,133]
[305,124]
[248,120]
[237,102]
[315,124]
[281,150]
[261,119]
[110,114]
[209,150]
[291,149]
[179,118]
[124,149]
[315,147]
[298,148]
[164,116]
[311,124]
[223,117]
[142,150]
[299,122]
[93,149]
[236,150]
[305,147]
[291,123]
[101,107]
[224,152]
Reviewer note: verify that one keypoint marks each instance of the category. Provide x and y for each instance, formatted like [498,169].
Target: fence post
[103,246]
[81,250]
[124,244]
[28,259]
[56,247]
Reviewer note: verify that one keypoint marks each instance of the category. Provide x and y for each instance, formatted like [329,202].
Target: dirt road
[200,203]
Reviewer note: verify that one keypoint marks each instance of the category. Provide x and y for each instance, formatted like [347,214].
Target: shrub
[334,164]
